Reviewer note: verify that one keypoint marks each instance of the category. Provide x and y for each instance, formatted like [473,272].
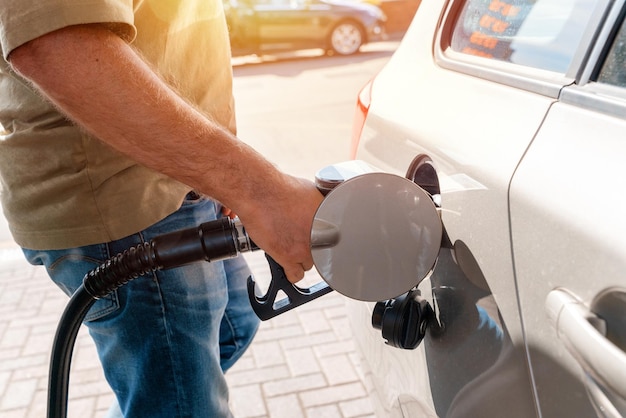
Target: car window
[287,4]
[541,34]
[614,68]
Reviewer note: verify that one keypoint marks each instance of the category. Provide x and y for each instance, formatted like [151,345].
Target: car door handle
[584,333]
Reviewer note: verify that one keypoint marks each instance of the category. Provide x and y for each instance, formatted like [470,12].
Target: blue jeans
[165,339]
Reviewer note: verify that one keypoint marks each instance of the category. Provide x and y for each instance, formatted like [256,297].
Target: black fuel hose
[63,345]
[211,241]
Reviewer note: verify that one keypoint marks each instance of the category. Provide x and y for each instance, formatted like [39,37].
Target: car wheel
[346,38]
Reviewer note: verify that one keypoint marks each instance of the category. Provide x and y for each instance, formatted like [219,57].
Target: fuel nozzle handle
[267,306]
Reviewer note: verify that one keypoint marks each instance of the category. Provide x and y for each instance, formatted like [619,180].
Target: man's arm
[103,85]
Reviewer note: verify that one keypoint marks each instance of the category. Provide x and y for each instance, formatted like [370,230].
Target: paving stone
[15,413]
[82,407]
[36,344]
[35,320]
[47,326]
[314,322]
[4,381]
[294,385]
[246,362]
[34,297]
[338,311]
[16,363]
[11,353]
[18,395]
[80,388]
[257,375]
[14,337]
[247,402]
[342,327]
[284,320]
[285,407]
[331,349]
[273,334]
[38,407]
[38,371]
[85,355]
[302,361]
[308,340]
[104,402]
[11,296]
[326,411]
[338,370]
[10,314]
[356,408]
[332,394]
[267,354]
[329,300]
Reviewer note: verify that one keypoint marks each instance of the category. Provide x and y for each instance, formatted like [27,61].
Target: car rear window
[614,68]
[541,34]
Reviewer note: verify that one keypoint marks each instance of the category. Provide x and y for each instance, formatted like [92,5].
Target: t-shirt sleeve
[24,20]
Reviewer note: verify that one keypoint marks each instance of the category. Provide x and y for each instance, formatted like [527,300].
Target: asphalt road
[296,109]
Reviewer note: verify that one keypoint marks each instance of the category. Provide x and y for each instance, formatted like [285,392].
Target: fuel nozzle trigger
[267,307]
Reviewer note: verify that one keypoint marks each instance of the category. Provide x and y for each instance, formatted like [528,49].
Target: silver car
[512,115]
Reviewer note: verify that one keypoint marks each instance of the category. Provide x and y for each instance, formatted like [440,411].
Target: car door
[284,21]
[468,88]
[569,239]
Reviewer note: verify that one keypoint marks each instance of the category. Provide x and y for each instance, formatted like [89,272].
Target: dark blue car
[338,27]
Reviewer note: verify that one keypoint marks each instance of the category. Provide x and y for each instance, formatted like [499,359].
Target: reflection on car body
[341,27]
[511,114]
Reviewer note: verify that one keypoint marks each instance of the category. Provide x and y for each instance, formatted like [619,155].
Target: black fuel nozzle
[403,320]
[210,241]
[267,306]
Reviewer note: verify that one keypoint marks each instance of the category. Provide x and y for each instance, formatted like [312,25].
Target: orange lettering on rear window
[483,40]
[477,52]
[486,21]
[499,26]
[493,24]
[505,9]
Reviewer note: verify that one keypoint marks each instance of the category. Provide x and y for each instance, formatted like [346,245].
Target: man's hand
[281,224]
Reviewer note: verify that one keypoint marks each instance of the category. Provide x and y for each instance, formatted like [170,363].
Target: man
[118,118]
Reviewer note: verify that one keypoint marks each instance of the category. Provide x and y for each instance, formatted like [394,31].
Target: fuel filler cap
[375,236]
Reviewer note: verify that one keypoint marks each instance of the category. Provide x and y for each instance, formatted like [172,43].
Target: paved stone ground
[302,363]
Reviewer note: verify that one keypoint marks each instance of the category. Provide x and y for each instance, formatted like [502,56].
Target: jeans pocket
[192,198]
[67,268]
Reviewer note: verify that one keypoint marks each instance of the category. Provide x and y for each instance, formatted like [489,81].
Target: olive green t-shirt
[61,188]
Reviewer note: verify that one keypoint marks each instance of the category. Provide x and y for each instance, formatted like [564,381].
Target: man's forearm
[103,85]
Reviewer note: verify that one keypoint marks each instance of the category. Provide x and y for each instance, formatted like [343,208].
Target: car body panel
[526,187]
[469,163]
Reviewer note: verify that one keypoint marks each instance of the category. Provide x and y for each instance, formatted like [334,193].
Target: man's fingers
[295,273]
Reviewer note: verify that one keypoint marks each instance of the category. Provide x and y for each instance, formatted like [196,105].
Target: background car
[512,115]
[340,27]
